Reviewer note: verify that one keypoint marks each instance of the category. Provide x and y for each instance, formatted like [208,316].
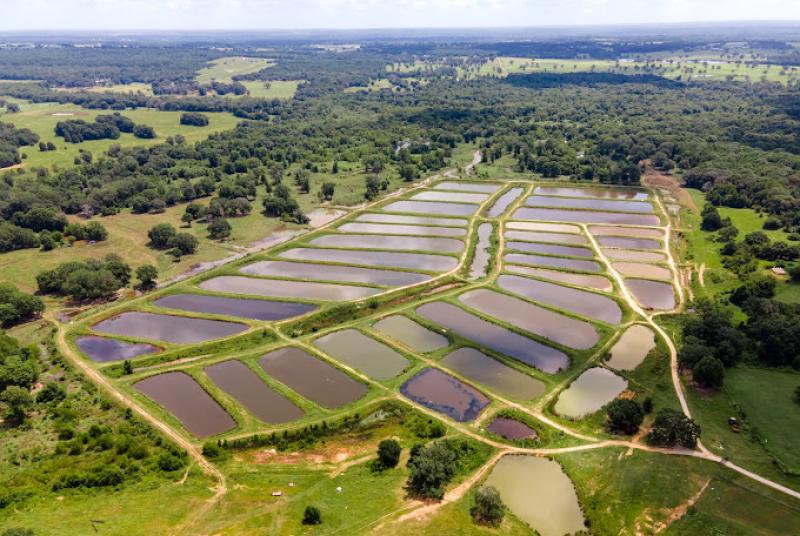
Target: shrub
[162,235]
[312,516]
[709,372]
[389,453]
[671,427]
[430,470]
[488,508]
[194,119]
[624,416]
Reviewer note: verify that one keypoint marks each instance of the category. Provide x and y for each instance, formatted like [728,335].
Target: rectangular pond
[312,378]
[451,197]
[632,347]
[635,232]
[643,271]
[441,392]
[432,207]
[547,238]
[494,337]
[597,282]
[592,390]
[182,396]
[642,207]
[390,229]
[418,261]
[585,216]
[511,429]
[632,255]
[652,294]
[545,227]
[412,220]
[550,249]
[363,353]
[221,305]
[598,192]
[174,329]
[236,284]
[408,332]
[504,201]
[628,242]
[464,186]
[532,318]
[552,262]
[490,372]
[570,299]
[480,260]
[410,243]
[236,379]
[103,350]
[333,272]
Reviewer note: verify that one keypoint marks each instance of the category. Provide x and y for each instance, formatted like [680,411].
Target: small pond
[412,220]
[451,197]
[408,332]
[392,242]
[432,207]
[235,284]
[635,256]
[103,350]
[504,201]
[628,242]
[644,271]
[552,262]
[389,229]
[363,353]
[548,238]
[635,232]
[589,204]
[585,216]
[174,329]
[597,282]
[652,294]
[467,187]
[419,261]
[511,429]
[441,392]
[490,372]
[546,227]
[480,261]
[593,191]
[333,272]
[632,347]
[221,305]
[592,390]
[550,249]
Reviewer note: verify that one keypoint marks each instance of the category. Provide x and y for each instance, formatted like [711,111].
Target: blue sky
[24,15]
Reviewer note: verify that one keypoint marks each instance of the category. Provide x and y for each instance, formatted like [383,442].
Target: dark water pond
[482,369]
[103,350]
[585,216]
[175,329]
[595,191]
[552,262]
[480,261]
[314,379]
[236,379]
[453,197]
[363,353]
[432,207]
[419,261]
[495,337]
[182,396]
[221,305]
[234,284]
[511,429]
[467,187]
[504,201]
[412,220]
[597,282]
[443,393]
[388,229]
[405,330]
[591,204]
[548,238]
[333,272]
[636,232]
[550,249]
[414,243]
[628,242]
[652,294]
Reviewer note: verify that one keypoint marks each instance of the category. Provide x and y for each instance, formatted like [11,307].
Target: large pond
[636,232]
[634,256]
[628,242]
[570,299]
[652,294]
[632,347]
[644,271]
[592,204]
[594,191]
[592,390]
[548,238]
[585,216]
[467,187]
[412,220]
[235,284]
[333,272]
[236,379]
[480,261]
[552,262]
[419,261]
[532,318]
[175,329]
[103,350]
[182,396]
[221,305]
[408,332]
[432,207]
[441,392]
[550,249]
[389,229]
[539,493]
[312,378]
[413,243]
[453,197]
[546,227]
[487,371]
[511,429]
[504,201]
[364,353]
[597,282]
[494,337]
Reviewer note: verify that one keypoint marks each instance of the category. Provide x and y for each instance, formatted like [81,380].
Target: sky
[26,15]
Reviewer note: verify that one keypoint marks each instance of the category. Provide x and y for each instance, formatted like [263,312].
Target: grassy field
[224,69]
[278,89]
[133,87]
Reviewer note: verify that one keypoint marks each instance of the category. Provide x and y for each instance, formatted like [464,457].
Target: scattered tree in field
[389,453]
[488,508]
[185,243]
[624,416]
[327,190]
[146,274]
[118,268]
[673,428]
[712,221]
[709,372]
[162,235]
[374,185]
[144,132]
[88,280]
[408,172]
[430,470]
[219,228]
[18,402]
[16,306]
[127,367]
[312,516]
[95,231]
[194,119]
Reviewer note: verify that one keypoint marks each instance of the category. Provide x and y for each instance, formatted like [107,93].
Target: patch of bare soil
[655,178]
[679,511]
[333,453]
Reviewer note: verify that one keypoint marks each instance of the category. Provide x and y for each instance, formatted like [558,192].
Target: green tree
[162,236]
[488,508]
[119,268]
[624,416]
[328,188]
[89,284]
[127,367]
[712,221]
[709,372]
[95,231]
[430,470]
[389,453]
[18,401]
[671,428]
[146,274]
[16,306]
[312,516]
[51,392]
[219,228]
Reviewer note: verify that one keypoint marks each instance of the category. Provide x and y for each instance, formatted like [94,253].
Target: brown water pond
[632,347]
[532,318]
[546,227]
[552,262]
[413,243]
[432,207]
[235,284]
[334,272]
[467,187]
[635,256]
[550,249]
[103,350]
[390,229]
[636,232]
[312,378]
[592,390]
[642,207]
[408,332]
[482,369]
[441,392]
[494,337]
[585,216]
[419,261]
[221,305]
[480,261]
[548,238]
[174,329]
[504,201]
[644,271]
[451,197]
[182,396]
[652,294]
[628,242]
[539,493]
[236,379]
[595,191]
[412,220]
[363,353]
[597,282]
[569,299]
[511,429]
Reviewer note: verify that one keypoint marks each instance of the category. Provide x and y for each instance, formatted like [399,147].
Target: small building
[777,270]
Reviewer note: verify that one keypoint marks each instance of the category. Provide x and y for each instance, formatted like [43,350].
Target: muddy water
[408,332]
[410,243]
[419,261]
[546,227]
[220,305]
[504,201]
[532,318]
[592,390]
[589,204]
[635,232]
[484,370]
[363,353]
[103,350]
[432,207]
[388,229]
[333,272]
[312,378]
[411,220]
[644,271]
[441,392]
[632,347]
[175,329]
[628,243]
[584,216]
[494,337]
[552,262]
[550,249]
[236,379]
[635,256]
[570,299]
[480,260]
[547,238]
[597,282]
[598,192]
[234,284]
[452,197]
[652,294]
[539,493]
[182,396]
[511,429]
[467,187]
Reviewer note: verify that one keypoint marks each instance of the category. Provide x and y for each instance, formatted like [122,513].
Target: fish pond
[174,329]
[441,392]
[628,242]
[412,243]
[388,229]
[467,187]
[221,305]
[432,207]
[490,372]
[552,262]
[548,238]
[480,261]
[590,204]
[412,220]
[103,350]
[585,216]
[592,390]
[644,271]
[235,284]
[408,332]
[550,249]
[597,282]
[634,256]
[388,259]
[634,232]
[504,201]
[363,353]
[511,429]
[452,197]
[545,227]
[590,192]
[333,272]
[652,294]
[632,347]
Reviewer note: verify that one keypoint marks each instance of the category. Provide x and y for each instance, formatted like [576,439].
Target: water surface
[552,262]
[550,249]
[593,191]
[644,271]
[103,350]
[597,282]
[635,256]
[590,204]
[504,201]
[652,294]
[551,238]
[485,370]
[511,429]
[174,329]
[221,305]
[412,220]
[390,229]
[419,261]
[333,272]
[432,207]
[636,232]
[235,284]
[363,353]
[452,197]
[632,347]
[409,243]
[546,227]
[628,242]
[592,390]
[441,392]
[467,187]
[480,261]
[408,332]
[585,216]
